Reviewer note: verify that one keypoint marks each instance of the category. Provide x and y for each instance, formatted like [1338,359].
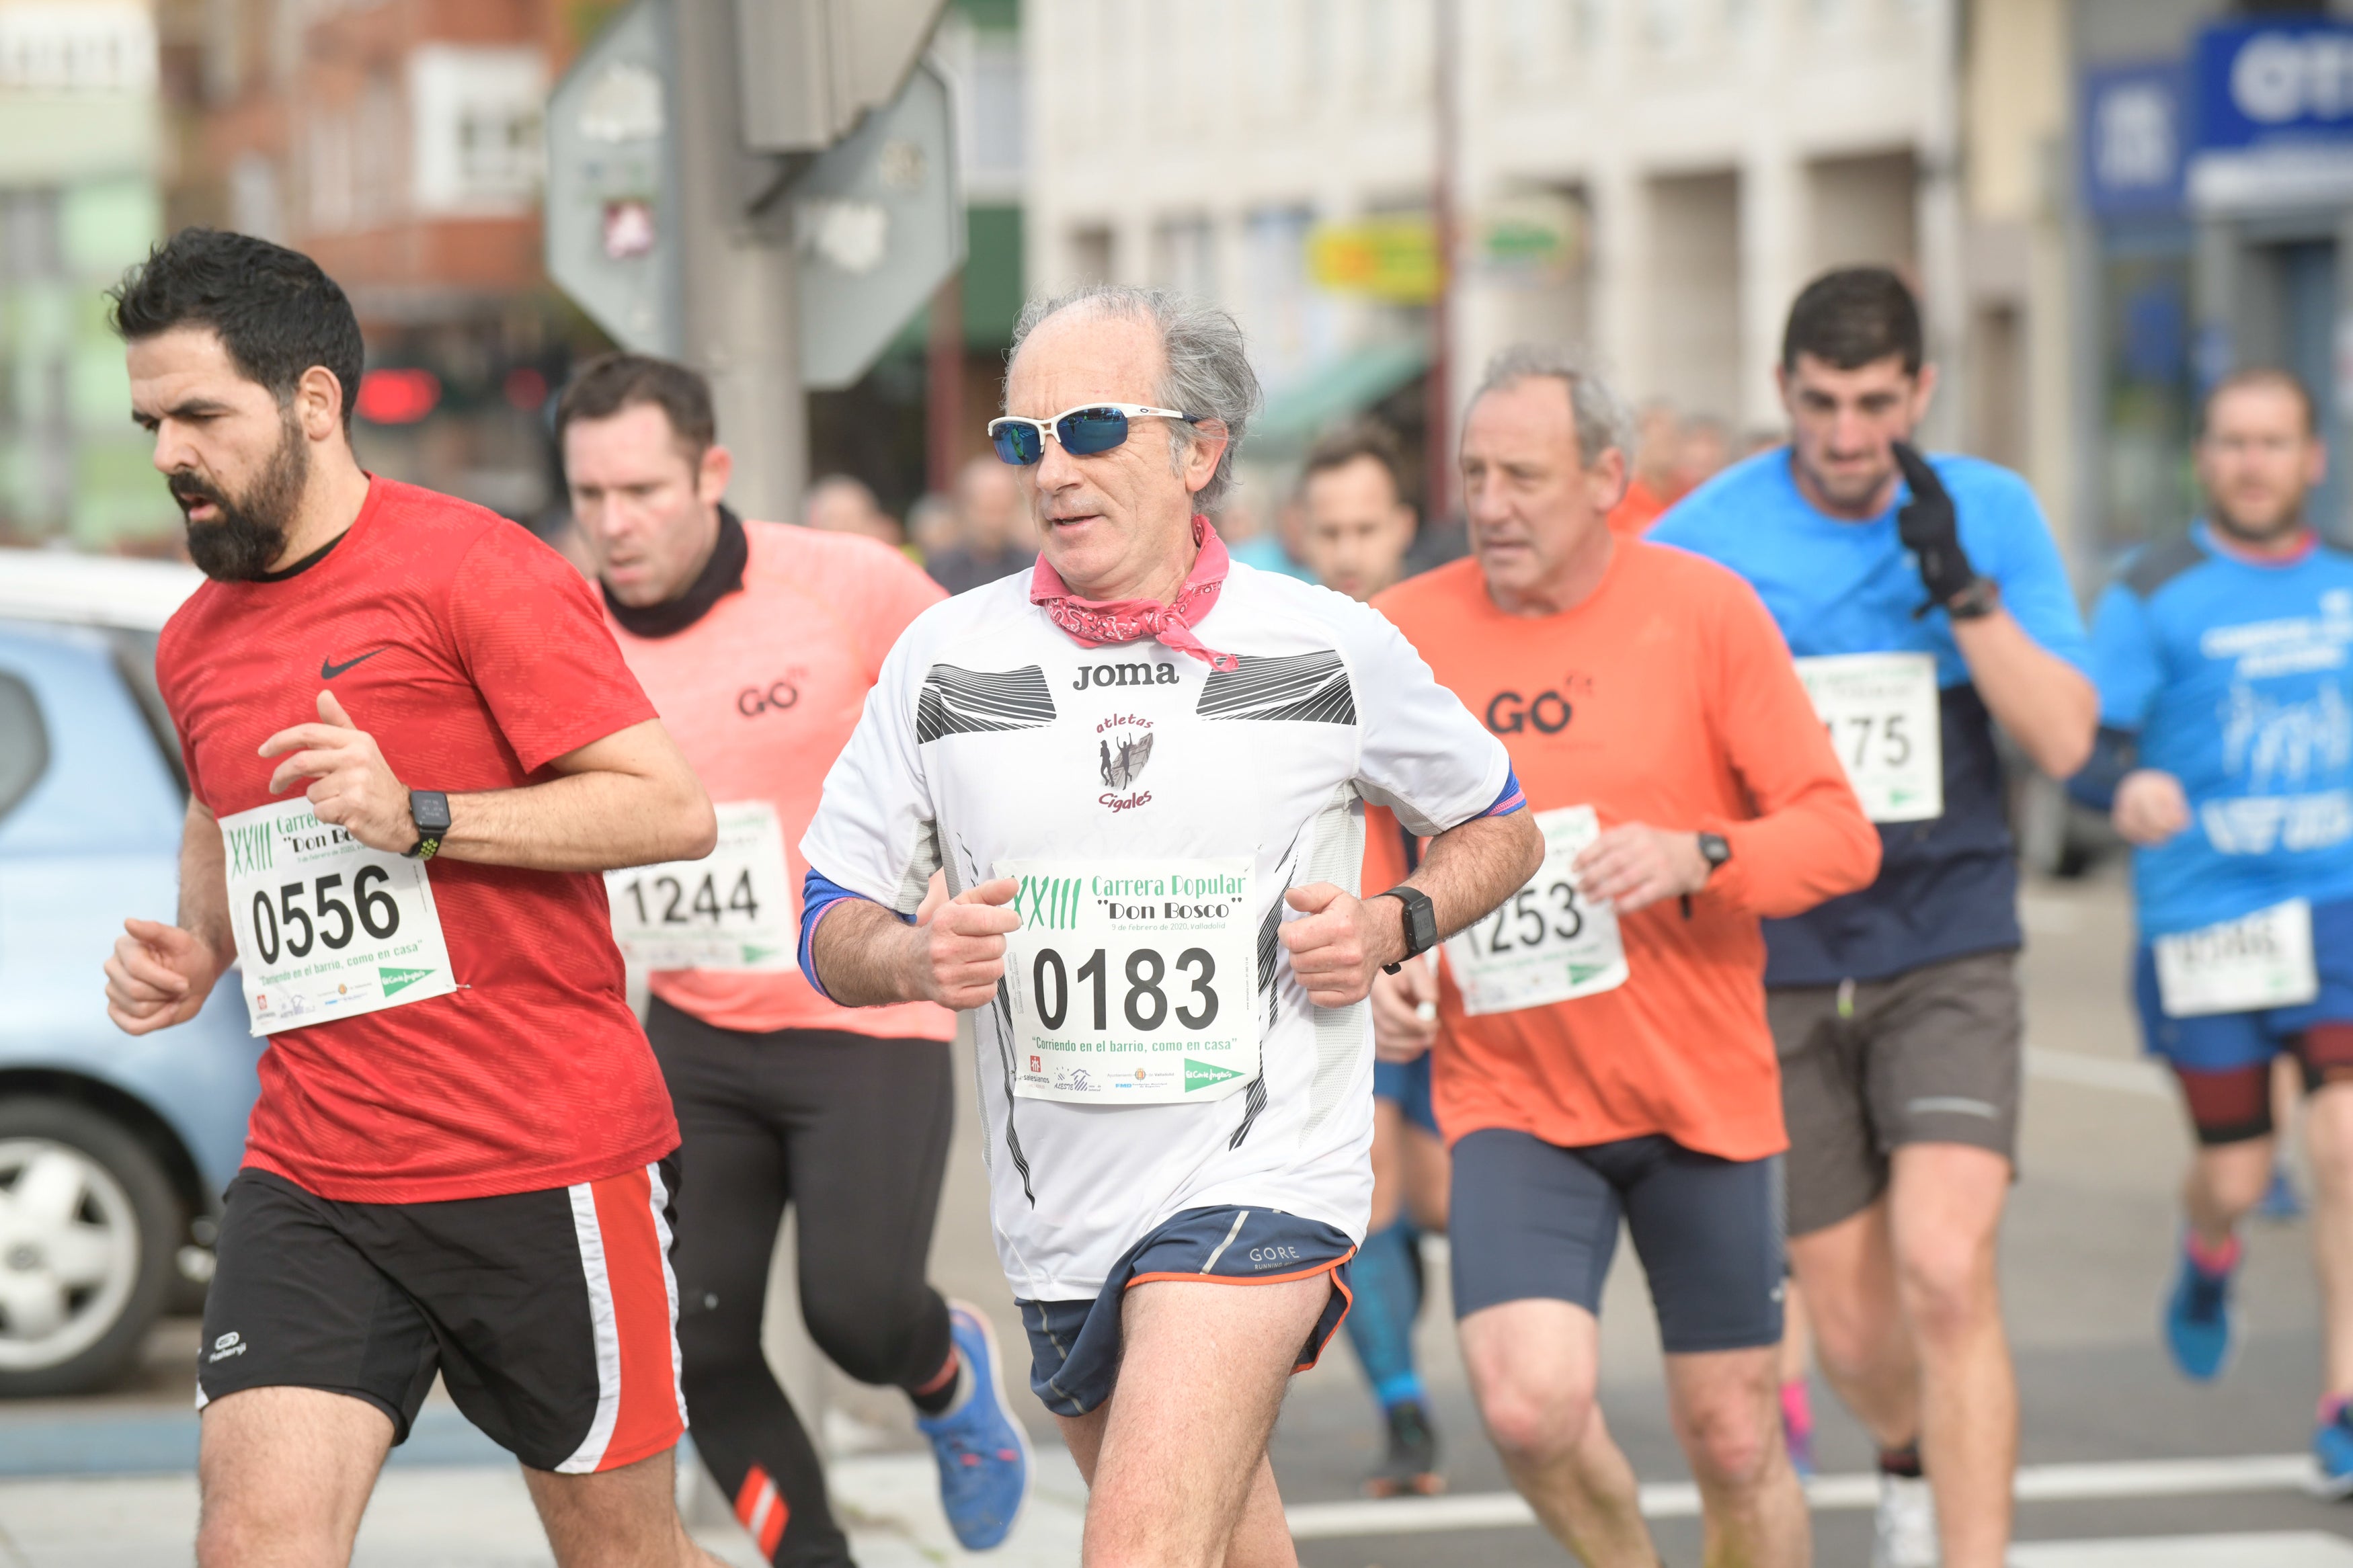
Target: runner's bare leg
[1178,1480]
[284,1475]
[2329,1140]
[1945,1206]
[624,1518]
[1727,1416]
[2226,1180]
[1847,1272]
[1534,1365]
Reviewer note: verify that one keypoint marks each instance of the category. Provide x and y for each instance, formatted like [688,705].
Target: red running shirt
[475,656]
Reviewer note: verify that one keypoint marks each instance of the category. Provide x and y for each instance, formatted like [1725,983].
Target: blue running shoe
[2281,1202]
[2332,1453]
[2199,1328]
[983,1453]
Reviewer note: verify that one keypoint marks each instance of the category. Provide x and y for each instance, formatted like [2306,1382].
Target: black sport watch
[1420,922]
[1978,600]
[1715,850]
[429,809]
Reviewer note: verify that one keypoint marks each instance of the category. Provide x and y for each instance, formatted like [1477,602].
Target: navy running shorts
[1531,1219]
[2220,1042]
[1408,1083]
[1074,1346]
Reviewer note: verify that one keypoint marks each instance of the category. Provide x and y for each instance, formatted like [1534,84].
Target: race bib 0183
[2263,960]
[1545,943]
[1886,724]
[327,928]
[1132,983]
[731,909]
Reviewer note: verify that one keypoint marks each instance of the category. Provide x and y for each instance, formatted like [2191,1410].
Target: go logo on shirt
[1509,713]
[774,698]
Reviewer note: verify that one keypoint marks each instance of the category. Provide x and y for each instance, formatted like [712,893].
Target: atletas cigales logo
[1123,750]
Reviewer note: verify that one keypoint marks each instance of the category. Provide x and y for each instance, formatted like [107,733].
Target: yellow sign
[1391,258]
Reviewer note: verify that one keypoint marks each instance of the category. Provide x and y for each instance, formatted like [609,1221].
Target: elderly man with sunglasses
[1143,769]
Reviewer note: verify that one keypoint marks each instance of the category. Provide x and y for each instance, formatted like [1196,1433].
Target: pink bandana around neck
[1099,624]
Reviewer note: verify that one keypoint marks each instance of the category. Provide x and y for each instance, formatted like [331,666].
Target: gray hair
[1209,372]
[1602,418]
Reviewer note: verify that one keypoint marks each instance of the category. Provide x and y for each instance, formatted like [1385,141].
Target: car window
[24,743]
[134,661]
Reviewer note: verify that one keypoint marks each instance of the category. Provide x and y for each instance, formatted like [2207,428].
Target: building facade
[79,200]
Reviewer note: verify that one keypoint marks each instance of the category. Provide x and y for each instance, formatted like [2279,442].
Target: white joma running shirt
[1151,801]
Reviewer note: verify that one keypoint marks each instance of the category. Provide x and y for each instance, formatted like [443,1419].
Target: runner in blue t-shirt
[2226,756]
[1926,602]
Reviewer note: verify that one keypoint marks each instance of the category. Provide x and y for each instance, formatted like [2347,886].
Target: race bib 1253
[327,928]
[1545,943]
[1131,981]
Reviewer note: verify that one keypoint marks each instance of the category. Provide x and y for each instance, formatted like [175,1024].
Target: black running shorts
[1533,1220]
[550,1315]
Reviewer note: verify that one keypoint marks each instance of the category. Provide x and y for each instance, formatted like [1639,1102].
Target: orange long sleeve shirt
[1667,698]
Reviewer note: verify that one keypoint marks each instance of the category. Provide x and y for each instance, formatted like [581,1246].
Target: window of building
[1090,255]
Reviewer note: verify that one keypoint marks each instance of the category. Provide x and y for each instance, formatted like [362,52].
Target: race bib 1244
[327,928]
[734,909]
[1132,982]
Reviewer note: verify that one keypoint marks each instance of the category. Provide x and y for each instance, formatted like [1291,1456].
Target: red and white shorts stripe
[633,1307]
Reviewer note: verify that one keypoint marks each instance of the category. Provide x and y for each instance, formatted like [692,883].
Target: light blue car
[113,1149]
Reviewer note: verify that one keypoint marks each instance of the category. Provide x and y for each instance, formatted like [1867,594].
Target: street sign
[809,68]
[878,223]
[1391,258]
[2274,117]
[612,238]
[2133,140]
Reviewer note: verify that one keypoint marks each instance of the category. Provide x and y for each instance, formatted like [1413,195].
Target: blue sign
[2133,139]
[2283,84]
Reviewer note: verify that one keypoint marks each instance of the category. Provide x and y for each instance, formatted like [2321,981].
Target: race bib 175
[1885,723]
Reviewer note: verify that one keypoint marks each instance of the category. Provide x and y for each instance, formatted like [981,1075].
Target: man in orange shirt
[1601,1045]
[757,642]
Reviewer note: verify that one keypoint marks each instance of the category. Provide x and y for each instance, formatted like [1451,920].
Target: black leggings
[853,1131]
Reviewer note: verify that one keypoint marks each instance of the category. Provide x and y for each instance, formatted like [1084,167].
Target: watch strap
[1420,923]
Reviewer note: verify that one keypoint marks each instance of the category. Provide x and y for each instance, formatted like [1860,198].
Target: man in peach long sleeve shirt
[1603,1049]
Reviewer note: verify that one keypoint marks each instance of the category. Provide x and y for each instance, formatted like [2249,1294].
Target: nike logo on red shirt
[329,668]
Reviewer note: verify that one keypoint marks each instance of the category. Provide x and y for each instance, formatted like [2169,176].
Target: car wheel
[88,1222]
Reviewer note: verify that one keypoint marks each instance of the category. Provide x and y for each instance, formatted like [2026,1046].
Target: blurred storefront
[79,201]
[2214,167]
[398,142]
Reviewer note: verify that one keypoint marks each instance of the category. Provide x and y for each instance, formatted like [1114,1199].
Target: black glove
[1931,529]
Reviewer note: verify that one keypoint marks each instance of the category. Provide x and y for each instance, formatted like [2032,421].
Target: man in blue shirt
[1926,602]
[2226,714]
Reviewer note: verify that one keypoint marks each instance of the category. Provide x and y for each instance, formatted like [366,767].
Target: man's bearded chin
[248,532]
[2289,521]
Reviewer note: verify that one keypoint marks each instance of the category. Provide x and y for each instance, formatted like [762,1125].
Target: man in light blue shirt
[1926,602]
[2225,666]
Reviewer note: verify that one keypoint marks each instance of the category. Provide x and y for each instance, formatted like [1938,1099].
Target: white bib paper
[1132,981]
[734,909]
[327,928]
[2264,959]
[1884,724]
[1545,943]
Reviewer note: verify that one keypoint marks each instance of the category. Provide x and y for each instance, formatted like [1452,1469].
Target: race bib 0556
[327,928]
[1132,982]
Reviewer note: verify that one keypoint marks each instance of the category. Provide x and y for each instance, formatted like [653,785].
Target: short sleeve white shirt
[993,736]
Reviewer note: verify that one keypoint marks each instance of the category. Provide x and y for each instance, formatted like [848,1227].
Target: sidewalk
[478,1516]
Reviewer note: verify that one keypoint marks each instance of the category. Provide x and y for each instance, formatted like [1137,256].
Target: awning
[1323,398]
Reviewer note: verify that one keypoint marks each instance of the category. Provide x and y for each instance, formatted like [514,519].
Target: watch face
[430,809]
